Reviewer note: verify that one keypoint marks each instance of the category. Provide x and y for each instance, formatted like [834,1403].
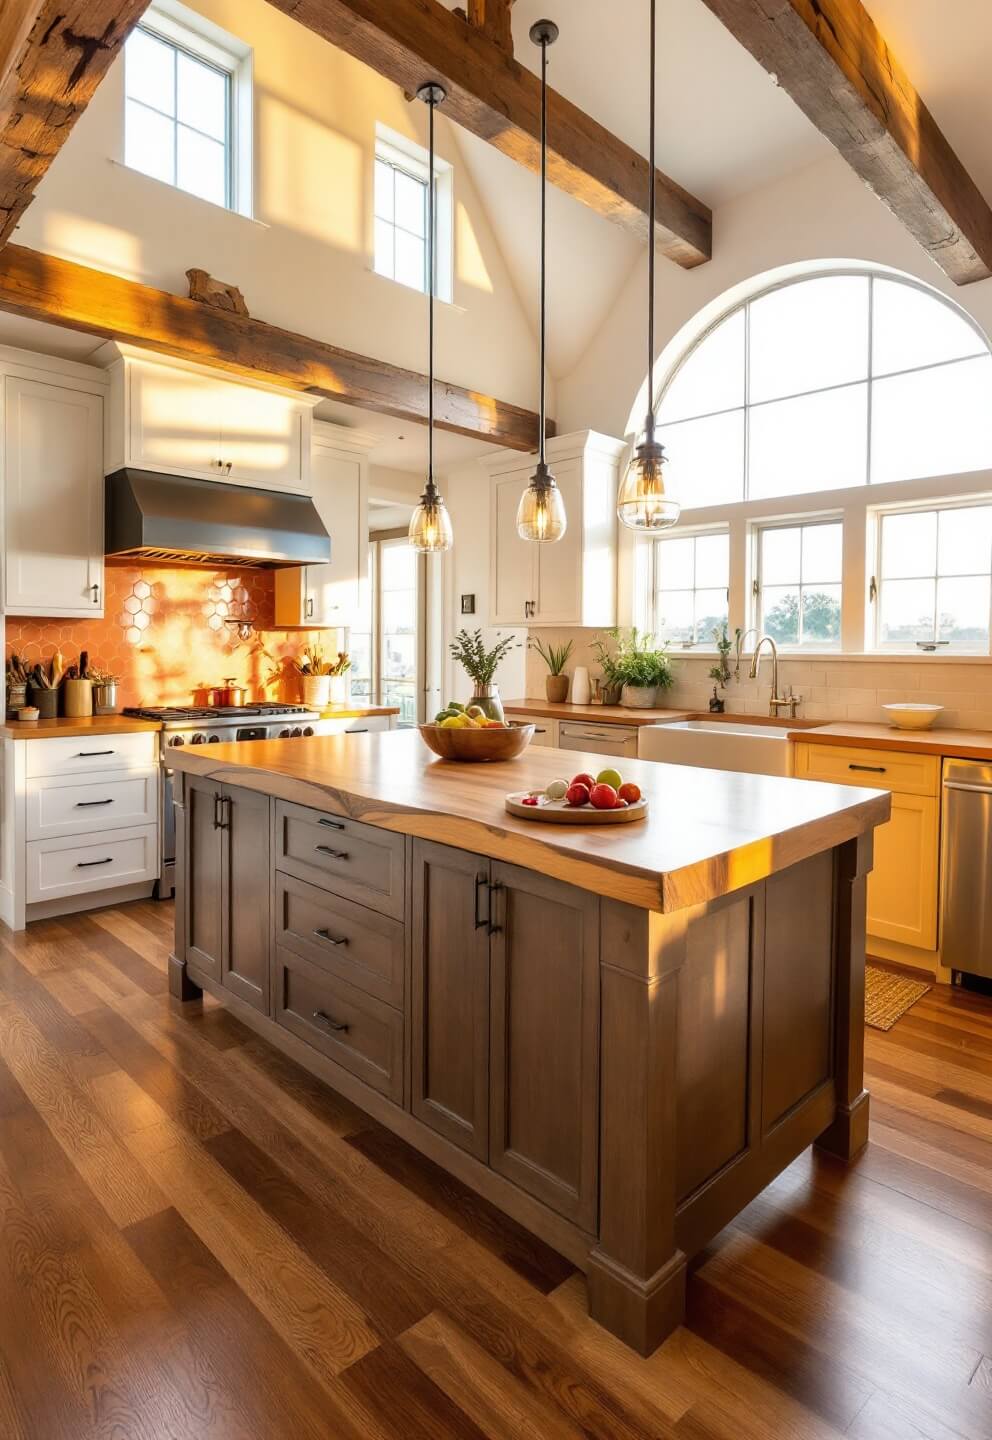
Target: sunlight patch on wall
[471,267]
[313,180]
[89,242]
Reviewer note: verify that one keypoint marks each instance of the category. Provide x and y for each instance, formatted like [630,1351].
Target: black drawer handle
[88,804]
[869,769]
[93,754]
[331,824]
[539,731]
[334,1025]
[331,939]
[85,864]
[361,730]
[334,854]
[481,883]
[494,889]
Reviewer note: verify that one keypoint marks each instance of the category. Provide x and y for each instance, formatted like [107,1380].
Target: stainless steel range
[209,725]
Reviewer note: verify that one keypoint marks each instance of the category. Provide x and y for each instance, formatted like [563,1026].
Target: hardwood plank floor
[199,1241]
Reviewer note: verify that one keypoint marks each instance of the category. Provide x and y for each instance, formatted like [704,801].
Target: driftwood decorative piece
[203,287]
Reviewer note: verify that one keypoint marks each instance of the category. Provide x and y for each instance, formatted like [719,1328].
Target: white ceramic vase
[316,691]
[581,689]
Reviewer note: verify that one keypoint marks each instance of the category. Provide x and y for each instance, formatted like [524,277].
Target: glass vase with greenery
[556,658]
[480,665]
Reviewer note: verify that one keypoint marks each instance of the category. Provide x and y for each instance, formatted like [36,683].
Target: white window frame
[649,575]
[761,528]
[185,30]
[876,581]
[401,153]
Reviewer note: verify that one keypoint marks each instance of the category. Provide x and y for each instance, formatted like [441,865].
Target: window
[933,578]
[806,388]
[798,572]
[691,574]
[187,105]
[401,179]
[387,646]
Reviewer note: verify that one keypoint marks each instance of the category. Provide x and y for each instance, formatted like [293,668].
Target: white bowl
[912,717]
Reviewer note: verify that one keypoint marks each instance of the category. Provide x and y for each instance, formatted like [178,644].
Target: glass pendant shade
[541,512]
[642,503]
[430,525]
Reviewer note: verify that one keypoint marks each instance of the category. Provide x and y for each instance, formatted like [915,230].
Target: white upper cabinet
[574,581]
[330,594]
[188,420]
[53,495]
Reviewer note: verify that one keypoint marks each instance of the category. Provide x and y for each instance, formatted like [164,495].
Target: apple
[610,777]
[630,792]
[584,779]
[603,797]
[577,794]
[621,804]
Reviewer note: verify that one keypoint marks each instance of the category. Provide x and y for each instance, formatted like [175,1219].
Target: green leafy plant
[480,664]
[554,656]
[720,672]
[607,662]
[639,662]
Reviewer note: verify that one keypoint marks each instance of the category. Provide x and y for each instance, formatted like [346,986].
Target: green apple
[610,777]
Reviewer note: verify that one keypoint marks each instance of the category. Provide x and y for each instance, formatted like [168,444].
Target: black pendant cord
[544,249]
[432,100]
[652,201]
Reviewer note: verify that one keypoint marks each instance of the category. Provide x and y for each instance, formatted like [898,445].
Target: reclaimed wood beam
[53,55]
[44,287]
[497,99]
[829,56]
[494,17]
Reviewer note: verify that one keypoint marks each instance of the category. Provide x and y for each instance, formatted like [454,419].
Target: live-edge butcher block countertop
[85,725]
[966,744]
[707,832]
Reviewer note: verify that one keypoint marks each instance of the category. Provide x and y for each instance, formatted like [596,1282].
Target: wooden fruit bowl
[469,745]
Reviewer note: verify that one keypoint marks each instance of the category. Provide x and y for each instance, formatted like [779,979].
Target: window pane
[711,614]
[676,564]
[384,248]
[148,142]
[933,422]
[411,204]
[912,328]
[706,460]
[201,166]
[818,442]
[907,611]
[713,560]
[781,551]
[963,611]
[383,190]
[202,97]
[821,615]
[965,541]
[712,378]
[909,544]
[411,266]
[150,72]
[674,616]
[780,613]
[809,335]
[822,553]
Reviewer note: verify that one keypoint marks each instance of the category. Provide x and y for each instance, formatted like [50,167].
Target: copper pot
[228,694]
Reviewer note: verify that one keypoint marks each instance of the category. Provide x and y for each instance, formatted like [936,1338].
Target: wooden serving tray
[556,812]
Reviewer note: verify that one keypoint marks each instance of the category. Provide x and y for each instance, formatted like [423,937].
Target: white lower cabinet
[75,865]
[545,730]
[55,806]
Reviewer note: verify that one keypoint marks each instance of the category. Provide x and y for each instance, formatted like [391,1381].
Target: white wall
[305,262]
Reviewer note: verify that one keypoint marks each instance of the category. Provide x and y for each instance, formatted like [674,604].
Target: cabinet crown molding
[113,352]
[559,447]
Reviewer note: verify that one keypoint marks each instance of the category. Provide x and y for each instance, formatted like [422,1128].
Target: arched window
[830,441]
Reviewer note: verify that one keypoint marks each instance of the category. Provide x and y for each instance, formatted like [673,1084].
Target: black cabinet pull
[493,889]
[93,754]
[222,818]
[539,731]
[88,804]
[481,883]
[331,1024]
[362,730]
[331,824]
[85,864]
[869,769]
[331,939]
[334,854]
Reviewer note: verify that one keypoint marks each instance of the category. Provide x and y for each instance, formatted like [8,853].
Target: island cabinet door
[204,878]
[246,908]
[450,1011]
[544,1040]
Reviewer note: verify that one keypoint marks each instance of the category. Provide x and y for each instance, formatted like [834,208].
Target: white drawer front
[81,754]
[59,806]
[77,864]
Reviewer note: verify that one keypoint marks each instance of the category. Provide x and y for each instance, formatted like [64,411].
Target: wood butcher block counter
[618,1036]
[87,725]
[965,744]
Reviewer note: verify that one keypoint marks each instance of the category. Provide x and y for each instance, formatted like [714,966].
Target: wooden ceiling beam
[829,56]
[53,55]
[44,287]
[491,95]
[494,17]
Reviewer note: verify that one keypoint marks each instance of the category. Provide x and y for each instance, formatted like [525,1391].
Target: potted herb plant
[720,672]
[556,658]
[480,665]
[611,685]
[642,669]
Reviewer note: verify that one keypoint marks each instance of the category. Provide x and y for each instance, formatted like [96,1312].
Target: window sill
[420,294]
[873,657]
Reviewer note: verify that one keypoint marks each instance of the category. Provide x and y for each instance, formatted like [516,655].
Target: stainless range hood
[180,520]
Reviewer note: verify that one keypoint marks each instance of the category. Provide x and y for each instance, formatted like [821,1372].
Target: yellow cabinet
[902,888]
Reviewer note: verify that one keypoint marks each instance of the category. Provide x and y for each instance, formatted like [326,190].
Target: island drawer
[346,940]
[875,769]
[356,861]
[351,1028]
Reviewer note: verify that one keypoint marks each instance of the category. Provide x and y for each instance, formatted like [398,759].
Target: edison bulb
[642,503]
[541,513]
[430,526]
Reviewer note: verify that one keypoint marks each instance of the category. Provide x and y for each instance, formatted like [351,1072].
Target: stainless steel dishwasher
[966,868]
[600,739]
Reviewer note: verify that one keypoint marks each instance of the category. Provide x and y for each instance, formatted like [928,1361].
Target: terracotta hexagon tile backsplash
[166,639]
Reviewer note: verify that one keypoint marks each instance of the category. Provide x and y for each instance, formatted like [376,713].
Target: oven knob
[177,740]
[284,734]
[213,740]
[199,738]
[308,729]
[297,732]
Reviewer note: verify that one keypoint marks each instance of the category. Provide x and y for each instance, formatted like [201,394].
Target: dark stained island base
[618,1037]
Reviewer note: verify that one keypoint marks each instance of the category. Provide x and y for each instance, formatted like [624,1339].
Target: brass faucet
[778,702]
[741,642]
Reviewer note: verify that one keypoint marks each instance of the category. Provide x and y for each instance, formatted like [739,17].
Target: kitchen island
[618,1035]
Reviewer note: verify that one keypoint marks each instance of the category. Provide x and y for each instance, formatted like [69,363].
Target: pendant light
[541,512]
[642,503]
[430,524]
